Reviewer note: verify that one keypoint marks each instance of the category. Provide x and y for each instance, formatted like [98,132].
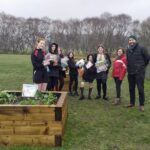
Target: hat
[132,37]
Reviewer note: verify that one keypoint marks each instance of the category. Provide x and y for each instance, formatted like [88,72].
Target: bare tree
[20,34]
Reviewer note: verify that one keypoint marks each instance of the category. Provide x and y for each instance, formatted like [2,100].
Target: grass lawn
[92,124]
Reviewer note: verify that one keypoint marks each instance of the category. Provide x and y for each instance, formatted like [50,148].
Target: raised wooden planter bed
[34,124]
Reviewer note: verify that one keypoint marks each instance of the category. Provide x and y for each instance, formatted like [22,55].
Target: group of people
[49,70]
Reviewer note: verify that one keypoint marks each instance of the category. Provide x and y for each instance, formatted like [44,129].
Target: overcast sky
[66,9]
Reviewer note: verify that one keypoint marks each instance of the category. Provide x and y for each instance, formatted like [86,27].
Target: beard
[132,46]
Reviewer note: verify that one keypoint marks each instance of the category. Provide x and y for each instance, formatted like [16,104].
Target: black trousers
[118,86]
[136,79]
[61,83]
[52,84]
[75,80]
[101,82]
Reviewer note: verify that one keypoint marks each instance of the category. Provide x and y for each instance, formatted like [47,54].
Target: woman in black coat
[102,63]
[73,74]
[89,70]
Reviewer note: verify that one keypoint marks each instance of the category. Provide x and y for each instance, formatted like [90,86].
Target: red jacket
[120,67]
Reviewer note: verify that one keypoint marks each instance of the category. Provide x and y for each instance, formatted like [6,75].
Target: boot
[105,98]
[141,108]
[71,94]
[76,93]
[105,92]
[130,106]
[117,101]
[98,97]
[89,94]
[82,96]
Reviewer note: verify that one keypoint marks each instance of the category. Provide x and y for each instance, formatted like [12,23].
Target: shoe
[76,94]
[105,98]
[130,106]
[89,98]
[71,94]
[97,97]
[81,98]
[141,108]
[117,101]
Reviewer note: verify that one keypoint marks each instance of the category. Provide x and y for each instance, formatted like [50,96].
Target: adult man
[137,60]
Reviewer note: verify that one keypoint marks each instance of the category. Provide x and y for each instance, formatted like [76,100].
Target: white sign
[29,90]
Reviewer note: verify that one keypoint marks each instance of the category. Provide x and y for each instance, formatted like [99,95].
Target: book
[89,65]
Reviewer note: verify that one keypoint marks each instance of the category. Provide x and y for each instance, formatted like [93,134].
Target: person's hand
[55,63]
[63,69]
[46,62]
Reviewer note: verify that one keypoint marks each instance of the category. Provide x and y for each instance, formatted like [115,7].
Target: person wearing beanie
[137,60]
[132,37]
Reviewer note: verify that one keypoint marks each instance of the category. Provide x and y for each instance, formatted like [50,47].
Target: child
[53,71]
[118,72]
[40,75]
[62,69]
[88,76]
[103,64]
[73,73]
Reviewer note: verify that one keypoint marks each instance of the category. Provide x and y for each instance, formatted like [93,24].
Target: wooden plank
[40,116]
[64,115]
[31,130]
[23,123]
[61,99]
[6,131]
[10,117]
[27,139]
[50,129]
[27,109]
[38,130]
[24,116]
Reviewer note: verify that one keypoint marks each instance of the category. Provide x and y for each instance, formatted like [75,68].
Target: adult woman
[102,64]
[118,72]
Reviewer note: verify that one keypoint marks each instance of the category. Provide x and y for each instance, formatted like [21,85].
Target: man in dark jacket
[137,60]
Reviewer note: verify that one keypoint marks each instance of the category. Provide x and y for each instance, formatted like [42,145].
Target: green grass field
[92,124]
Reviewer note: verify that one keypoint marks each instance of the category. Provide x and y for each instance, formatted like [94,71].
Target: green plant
[45,98]
[28,101]
[40,98]
[6,98]
[49,99]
